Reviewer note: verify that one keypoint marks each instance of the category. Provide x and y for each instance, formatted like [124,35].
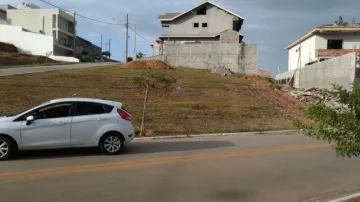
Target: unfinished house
[51,22]
[206,36]
[322,45]
[204,23]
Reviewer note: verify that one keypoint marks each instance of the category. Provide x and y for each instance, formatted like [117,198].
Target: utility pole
[135,44]
[101,43]
[127,37]
[74,44]
[109,49]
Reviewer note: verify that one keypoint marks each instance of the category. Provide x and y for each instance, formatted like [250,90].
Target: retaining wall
[239,58]
[26,42]
[340,70]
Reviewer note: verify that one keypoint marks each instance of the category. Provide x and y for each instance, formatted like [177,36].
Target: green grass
[208,103]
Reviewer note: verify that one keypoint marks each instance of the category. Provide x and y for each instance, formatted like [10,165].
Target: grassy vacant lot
[208,103]
[357,199]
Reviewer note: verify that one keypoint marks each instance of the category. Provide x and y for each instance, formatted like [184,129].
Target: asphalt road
[265,168]
[29,70]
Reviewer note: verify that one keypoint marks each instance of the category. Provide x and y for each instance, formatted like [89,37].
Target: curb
[346,198]
[214,134]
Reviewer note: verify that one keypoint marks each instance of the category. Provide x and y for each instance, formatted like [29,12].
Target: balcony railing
[335,52]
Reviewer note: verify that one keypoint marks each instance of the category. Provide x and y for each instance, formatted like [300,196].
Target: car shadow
[130,149]
[172,146]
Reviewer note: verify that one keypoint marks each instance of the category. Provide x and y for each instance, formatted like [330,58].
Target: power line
[100,21]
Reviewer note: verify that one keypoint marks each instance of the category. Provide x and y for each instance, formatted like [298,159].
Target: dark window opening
[204,24]
[196,24]
[335,44]
[87,108]
[202,11]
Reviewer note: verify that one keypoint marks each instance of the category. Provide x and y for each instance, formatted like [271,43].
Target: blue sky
[272,24]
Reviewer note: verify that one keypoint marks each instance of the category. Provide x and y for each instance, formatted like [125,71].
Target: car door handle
[60,123]
[101,119]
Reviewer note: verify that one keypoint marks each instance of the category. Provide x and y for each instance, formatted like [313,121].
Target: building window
[202,11]
[204,24]
[335,44]
[196,24]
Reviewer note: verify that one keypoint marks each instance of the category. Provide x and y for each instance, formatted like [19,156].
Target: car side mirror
[29,119]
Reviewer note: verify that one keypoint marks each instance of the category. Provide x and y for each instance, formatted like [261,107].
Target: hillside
[208,102]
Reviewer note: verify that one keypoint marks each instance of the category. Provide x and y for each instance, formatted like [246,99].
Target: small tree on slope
[149,80]
[338,126]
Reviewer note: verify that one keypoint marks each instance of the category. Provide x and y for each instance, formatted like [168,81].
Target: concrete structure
[238,58]
[51,22]
[322,43]
[205,23]
[343,70]
[3,13]
[25,41]
[83,45]
[318,45]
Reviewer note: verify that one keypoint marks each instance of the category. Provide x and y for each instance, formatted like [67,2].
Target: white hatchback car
[67,123]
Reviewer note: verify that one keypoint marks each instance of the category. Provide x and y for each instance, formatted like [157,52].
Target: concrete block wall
[239,58]
[340,70]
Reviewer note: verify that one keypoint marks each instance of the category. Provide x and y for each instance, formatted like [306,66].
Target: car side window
[53,111]
[88,108]
[50,111]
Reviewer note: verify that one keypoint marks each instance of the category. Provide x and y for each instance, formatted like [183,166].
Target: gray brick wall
[239,58]
[340,70]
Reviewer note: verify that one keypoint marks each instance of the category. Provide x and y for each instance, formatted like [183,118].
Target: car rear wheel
[7,148]
[112,144]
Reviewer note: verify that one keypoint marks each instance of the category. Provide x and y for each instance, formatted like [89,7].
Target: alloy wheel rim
[4,148]
[112,144]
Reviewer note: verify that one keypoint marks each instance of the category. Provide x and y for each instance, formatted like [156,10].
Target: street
[282,167]
[29,70]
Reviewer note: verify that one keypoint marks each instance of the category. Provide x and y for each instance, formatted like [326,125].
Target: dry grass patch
[208,103]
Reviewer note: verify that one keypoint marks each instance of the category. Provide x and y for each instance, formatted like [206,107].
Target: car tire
[7,148]
[111,144]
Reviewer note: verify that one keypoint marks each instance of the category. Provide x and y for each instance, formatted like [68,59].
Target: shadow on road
[130,149]
[155,147]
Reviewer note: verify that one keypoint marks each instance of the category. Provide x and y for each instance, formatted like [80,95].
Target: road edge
[215,134]
[346,198]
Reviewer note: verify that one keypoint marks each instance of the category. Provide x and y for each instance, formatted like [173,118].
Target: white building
[322,43]
[50,22]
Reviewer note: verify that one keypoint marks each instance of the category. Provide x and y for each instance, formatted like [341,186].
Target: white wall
[350,41]
[26,42]
[64,59]
[32,19]
[217,21]
[308,49]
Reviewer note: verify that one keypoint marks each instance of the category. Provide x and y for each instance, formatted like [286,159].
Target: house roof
[173,17]
[168,15]
[325,28]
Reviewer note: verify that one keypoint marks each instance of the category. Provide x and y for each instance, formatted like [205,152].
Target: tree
[152,80]
[140,55]
[340,21]
[339,126]
[107,54]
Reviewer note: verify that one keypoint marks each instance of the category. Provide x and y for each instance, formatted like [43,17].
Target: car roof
[102,101]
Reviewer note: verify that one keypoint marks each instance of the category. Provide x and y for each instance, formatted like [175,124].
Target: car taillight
[125,115]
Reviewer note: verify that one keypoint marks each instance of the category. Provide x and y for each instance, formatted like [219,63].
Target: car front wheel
[112,144]
[7,148]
